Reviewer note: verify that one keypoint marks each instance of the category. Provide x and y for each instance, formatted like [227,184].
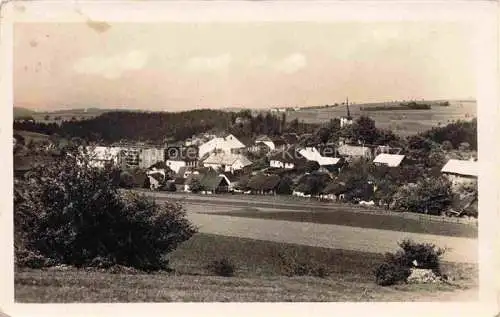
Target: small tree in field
[73,213]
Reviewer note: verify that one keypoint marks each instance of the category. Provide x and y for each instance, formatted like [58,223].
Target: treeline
[159,127]
[456,133]
[402,106]
[136,126]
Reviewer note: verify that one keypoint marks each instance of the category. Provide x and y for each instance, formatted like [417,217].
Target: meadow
[402,122]
[259,277]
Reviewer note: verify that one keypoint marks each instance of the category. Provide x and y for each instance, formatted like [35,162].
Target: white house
[227,162]
[391,160]
[227,144]
[461,171]
[312,154]
[175,165]
[287,159]
[102,155]
[354,152]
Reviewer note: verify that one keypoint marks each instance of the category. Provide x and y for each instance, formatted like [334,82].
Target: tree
[195,185]
[46,118]
[324,134]
[312,166]
[126,180]
[284,186]
[70,212]
[464,147]
[447,145]
[429,196]
[365,130]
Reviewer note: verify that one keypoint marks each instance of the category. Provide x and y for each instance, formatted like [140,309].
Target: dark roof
[211,182]
[157,176]
[264,182]
[159,165]
[279,142]
[335,188]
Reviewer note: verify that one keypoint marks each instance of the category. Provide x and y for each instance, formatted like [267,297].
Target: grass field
[402,122]
[258,278]
[359,219]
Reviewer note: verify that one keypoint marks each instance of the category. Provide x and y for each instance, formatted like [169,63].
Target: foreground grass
[258,278]
[362,220]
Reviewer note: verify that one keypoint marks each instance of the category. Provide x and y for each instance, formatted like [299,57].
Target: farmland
[258,278]
[402,122]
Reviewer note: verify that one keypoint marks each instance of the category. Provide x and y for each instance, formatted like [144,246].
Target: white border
[481,13]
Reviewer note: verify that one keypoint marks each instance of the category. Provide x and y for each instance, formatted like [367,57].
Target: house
[312,154]
[264,184]
[210,183]
[155,180]
[102,155]
[229,144]
[390,160]
[346,120]
[177,157]
[287,159]
[334,191]
[311,184]
[354,152]
[227,162]
[150,156]
[461,171]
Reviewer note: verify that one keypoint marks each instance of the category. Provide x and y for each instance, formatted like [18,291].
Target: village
[288,164]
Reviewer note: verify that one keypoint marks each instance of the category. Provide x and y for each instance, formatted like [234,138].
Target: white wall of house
[175,165]
[280,164]
[458,180]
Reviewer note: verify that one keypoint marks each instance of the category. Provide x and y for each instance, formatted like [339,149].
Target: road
[321,235]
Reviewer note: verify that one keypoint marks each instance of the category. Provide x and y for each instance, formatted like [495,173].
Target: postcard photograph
[245,161]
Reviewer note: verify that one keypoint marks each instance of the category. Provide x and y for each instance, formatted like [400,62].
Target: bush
[127,180]
[195,185]
[170,186]
[284,186]
[223,267]
[397,266]
[291,265]
[72,213]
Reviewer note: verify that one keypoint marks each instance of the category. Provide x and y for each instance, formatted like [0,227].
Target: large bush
[429,196]
[71,213]
[397,266]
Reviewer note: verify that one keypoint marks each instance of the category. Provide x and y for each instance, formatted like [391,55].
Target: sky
[178,66]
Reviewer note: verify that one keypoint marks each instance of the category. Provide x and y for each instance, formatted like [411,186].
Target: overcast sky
[183,66]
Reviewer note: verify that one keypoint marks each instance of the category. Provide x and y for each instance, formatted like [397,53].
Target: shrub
[195,185]
[223,267]
[72,213]
[127,180]
[284,186]
[170,186]
[397,266]
[291,265]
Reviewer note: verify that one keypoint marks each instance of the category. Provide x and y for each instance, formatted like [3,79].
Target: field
[258,278]
[402,122]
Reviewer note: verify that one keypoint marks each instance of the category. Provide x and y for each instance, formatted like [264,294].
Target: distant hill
[20,112]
